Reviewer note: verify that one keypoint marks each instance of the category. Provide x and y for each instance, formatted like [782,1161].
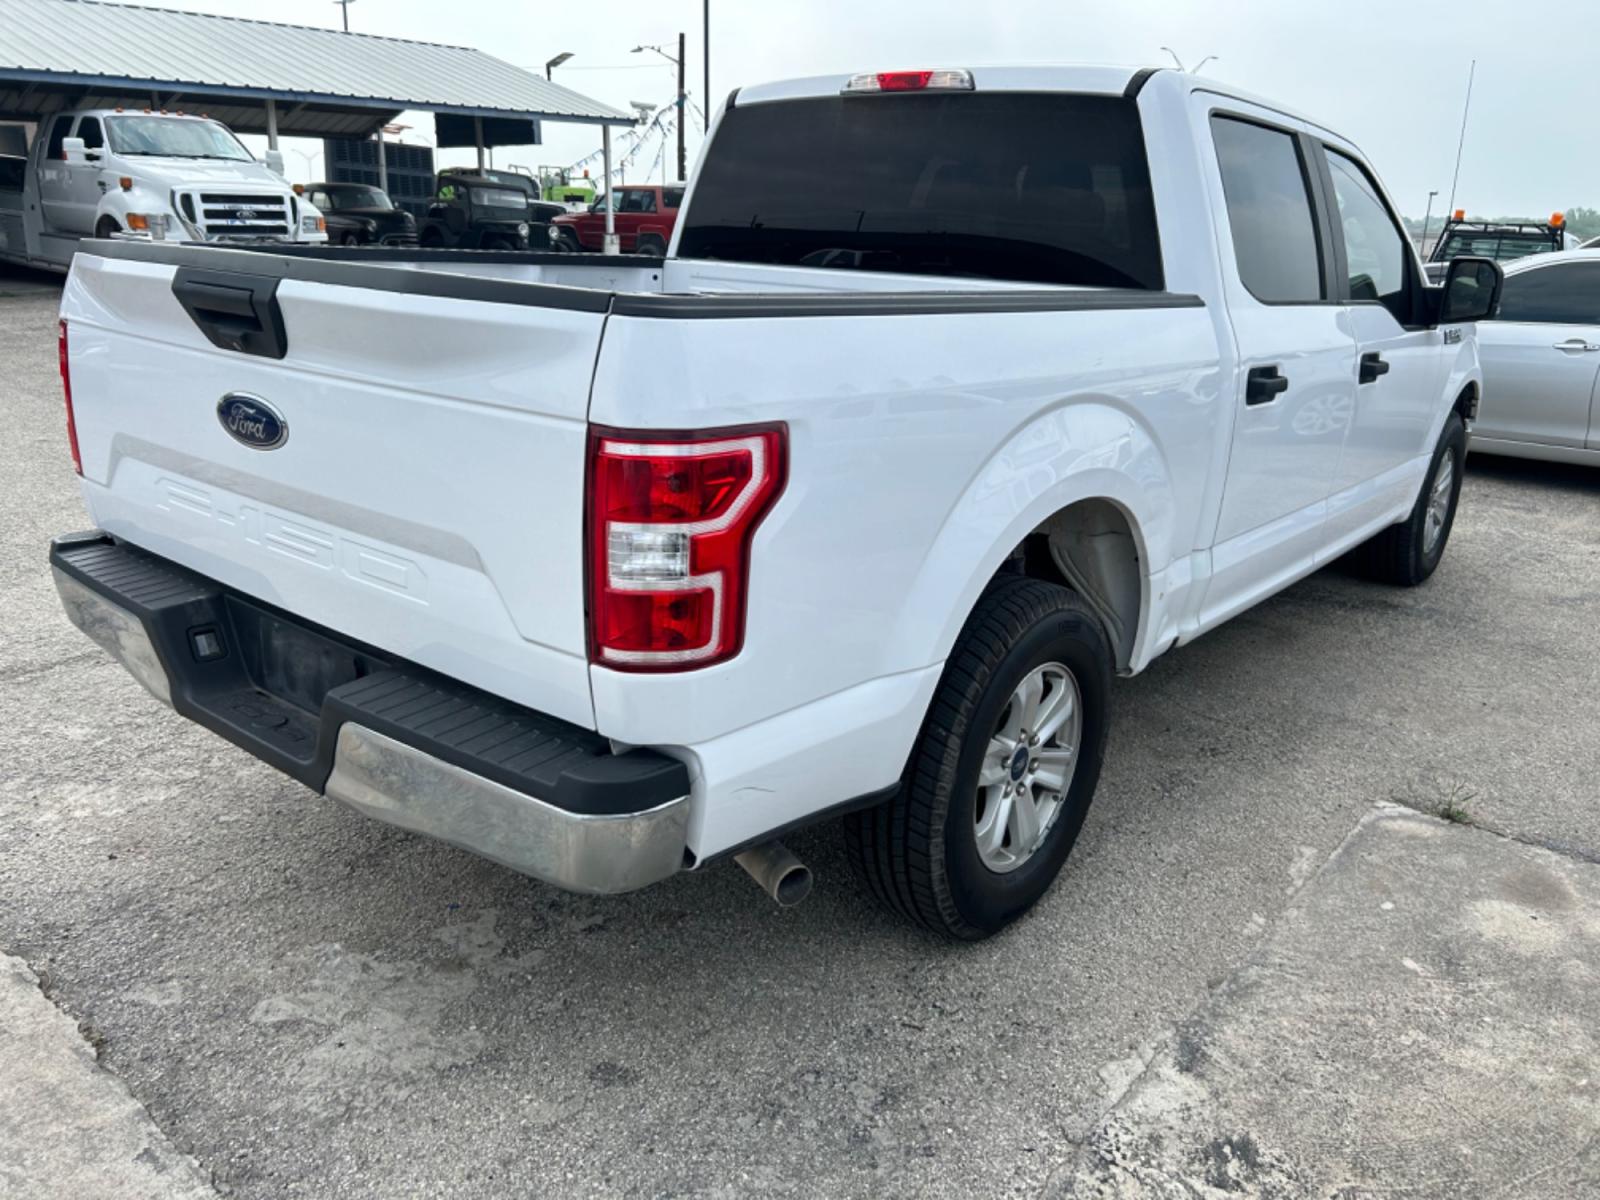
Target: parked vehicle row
[151,175]
[1104,359]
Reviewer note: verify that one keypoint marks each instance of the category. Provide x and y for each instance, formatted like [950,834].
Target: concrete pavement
[68,1128]
[1425,1020]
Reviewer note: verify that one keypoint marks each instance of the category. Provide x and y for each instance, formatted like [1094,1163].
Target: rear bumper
[386,737]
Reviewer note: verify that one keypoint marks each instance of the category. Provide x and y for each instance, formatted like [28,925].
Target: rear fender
[1084,450]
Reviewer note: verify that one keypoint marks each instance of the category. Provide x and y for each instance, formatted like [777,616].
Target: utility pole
[344,9]
[683,116]
[683,104]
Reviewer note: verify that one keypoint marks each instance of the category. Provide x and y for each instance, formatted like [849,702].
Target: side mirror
[1471,290]
[72,149]
[274,160]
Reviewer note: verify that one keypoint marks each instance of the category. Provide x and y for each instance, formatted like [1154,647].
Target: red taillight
[671,518]
[66,389]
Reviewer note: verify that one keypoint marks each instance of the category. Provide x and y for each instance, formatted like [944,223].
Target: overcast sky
[1389,75]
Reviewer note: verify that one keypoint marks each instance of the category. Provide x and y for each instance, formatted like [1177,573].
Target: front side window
[1269,212]
[174,137]
[1022,187]
[58,137]
[1374,247]
[1565,294]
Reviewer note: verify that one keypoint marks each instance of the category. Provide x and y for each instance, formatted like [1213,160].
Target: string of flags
[663,123]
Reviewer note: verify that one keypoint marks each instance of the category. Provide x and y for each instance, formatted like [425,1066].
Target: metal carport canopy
[57,54]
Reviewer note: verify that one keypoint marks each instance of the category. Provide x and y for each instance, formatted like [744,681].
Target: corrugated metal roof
[104,45]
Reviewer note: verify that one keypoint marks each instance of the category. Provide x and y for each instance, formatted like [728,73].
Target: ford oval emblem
[251,421]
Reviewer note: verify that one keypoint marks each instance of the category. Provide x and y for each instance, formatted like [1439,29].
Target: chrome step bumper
[386,738]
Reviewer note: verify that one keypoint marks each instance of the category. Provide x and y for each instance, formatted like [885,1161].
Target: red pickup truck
[646,214]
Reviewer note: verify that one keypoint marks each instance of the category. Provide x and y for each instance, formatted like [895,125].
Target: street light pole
[549,67]
[1425,218]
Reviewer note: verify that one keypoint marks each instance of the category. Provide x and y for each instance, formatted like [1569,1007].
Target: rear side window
[672,197]
[1032,188]
[1568,294]
[638,201]
[1269,212]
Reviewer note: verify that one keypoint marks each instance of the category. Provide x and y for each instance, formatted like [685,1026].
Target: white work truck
[149,175]
[607,570]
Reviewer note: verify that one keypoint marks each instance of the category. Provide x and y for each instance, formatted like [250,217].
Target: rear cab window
[1036,188]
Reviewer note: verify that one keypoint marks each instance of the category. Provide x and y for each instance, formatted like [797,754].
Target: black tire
[1400,554]
[350,239]
[651,247]
[918,854]
[105,227]
[431,240]
[568,243]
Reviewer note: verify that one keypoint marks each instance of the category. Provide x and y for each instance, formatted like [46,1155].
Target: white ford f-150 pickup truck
[958,393]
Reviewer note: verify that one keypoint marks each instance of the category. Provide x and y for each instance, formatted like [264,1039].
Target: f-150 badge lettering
[251,421]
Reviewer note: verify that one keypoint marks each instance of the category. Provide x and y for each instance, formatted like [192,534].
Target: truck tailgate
[427,494]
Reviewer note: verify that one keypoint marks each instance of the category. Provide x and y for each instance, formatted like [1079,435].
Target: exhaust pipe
[781,875]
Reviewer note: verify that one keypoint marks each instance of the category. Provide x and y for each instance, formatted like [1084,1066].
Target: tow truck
[1500,240]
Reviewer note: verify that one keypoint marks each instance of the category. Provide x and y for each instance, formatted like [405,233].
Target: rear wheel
[1002,774]
[652,246]
[1407,553]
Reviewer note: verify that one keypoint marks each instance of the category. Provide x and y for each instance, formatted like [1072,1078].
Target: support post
[705,94]
[272,124]
[610,245]
[683,115]
[383,162]
[477,134]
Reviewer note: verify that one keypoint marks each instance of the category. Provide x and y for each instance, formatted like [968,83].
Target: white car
[608,569]
[1541,361]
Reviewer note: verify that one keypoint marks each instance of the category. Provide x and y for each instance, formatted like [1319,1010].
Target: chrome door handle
[1576,344]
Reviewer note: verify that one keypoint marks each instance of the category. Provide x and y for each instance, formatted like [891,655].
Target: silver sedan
[1541,362]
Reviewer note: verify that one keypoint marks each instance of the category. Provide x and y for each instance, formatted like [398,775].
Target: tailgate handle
[234,310]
